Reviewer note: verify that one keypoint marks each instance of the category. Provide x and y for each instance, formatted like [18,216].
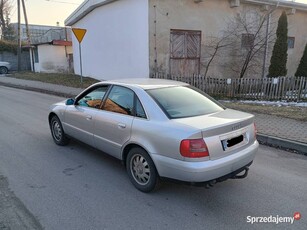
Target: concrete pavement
[272,130]
[282,132]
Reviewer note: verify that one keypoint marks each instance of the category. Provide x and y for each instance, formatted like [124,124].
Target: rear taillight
[194,148]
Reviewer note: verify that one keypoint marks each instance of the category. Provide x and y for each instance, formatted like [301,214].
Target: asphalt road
[46,186]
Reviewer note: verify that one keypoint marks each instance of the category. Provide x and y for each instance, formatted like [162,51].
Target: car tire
[3,70]
[57,132]
[141,170]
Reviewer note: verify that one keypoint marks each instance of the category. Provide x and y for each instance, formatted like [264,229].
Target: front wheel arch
[57,131]
[50,117]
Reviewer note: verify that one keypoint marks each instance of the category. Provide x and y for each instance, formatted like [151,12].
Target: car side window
[94,98]
[120,100]
[139,110]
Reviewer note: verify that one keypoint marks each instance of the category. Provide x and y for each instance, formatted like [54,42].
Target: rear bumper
[206,170]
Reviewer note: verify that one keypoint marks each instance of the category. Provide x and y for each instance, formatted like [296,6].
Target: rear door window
[120,100]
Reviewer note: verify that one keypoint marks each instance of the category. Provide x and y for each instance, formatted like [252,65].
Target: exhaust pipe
[210,184]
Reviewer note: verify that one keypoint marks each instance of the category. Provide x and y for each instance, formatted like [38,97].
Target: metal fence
[281,88]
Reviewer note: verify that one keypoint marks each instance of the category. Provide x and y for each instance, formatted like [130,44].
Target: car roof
[146,83]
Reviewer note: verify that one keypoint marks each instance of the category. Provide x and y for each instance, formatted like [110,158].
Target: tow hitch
[238,174]
[234,175]
[241,176]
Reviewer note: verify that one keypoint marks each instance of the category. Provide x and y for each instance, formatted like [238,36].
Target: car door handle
[121,125]
[88,117]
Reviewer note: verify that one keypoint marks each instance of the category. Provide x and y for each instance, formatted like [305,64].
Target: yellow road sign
[79,33]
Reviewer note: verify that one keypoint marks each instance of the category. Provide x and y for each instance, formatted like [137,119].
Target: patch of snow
[272,103]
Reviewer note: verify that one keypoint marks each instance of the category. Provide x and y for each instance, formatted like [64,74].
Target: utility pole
[28,34]
[19,39]
[26,21]
[265,56]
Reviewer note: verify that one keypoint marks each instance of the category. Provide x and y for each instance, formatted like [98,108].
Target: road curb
[39,90]
[298,147]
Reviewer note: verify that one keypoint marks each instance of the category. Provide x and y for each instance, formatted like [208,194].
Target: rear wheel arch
[141,169]
[130,146]
[126,150]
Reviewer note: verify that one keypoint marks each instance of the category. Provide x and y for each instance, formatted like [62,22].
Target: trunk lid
[224,132]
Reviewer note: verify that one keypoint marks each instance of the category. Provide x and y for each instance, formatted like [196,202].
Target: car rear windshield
[181,101]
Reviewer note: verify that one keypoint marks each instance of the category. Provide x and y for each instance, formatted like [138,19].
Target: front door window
[94,98]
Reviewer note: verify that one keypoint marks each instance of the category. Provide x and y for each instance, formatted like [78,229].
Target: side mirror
[70,101]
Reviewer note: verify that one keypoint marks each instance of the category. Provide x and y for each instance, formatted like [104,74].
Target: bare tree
[214,48]
[5,10]
[250,36]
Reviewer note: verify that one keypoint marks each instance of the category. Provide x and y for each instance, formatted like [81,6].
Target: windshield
[180,102]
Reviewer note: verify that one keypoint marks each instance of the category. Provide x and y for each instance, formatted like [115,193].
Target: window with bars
[247,40]
[291,41]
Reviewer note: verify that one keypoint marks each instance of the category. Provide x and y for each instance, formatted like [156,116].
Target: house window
[247,40]
[35,51]
[291,41]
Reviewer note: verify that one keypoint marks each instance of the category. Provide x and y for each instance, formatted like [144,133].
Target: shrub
[278,66]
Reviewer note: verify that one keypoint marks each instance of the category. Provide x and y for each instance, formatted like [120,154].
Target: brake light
[194,148]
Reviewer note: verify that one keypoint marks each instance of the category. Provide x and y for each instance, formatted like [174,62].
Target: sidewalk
[38,86]
[282,132]
[272,130]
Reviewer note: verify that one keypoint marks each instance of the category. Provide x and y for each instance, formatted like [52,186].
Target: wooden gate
[185,46]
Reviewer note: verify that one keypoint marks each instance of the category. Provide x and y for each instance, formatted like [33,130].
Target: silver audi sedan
[159,129]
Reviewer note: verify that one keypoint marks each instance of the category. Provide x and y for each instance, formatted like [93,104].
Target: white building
[116,44]
[133,38]
[52,57]
[50,48]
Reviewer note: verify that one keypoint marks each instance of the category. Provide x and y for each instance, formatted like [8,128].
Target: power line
[72,3]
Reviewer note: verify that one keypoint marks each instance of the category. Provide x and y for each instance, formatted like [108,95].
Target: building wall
[297,28]
[42,33]
[116,42]
[212,17]
[52,59]
[12,59]
[208,17]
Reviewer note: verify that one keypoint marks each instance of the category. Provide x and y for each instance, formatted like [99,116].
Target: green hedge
[278,66]
[9,47]
[302,68]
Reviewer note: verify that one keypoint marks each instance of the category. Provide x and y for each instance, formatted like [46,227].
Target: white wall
[116,43]
[52,59]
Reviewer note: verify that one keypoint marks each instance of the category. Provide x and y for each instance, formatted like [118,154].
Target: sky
[49,12]
[46,12]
